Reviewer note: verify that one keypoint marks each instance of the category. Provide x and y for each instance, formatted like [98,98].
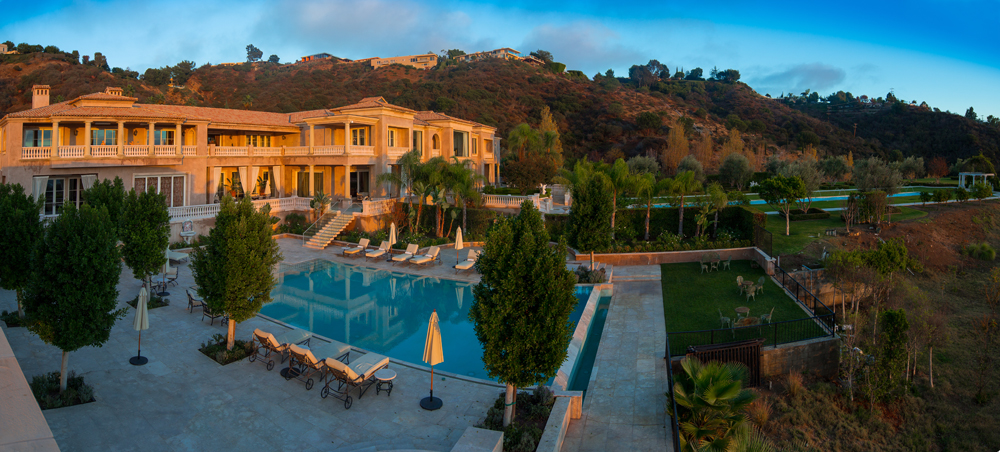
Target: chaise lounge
[469,263]
[265,343]
[411,249]
[304,363]
[358,374]
[431,256]
[357,250]
[382,249]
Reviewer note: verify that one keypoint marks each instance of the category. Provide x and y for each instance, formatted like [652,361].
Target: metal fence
[762,239]
[673,403]
[773,334]
[804,296]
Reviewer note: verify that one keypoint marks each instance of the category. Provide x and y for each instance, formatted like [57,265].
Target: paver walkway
[182,400]
[625,406]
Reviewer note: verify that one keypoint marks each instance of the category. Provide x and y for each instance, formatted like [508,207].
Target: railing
[297,150]
[104,151]
[510,201]
[231,151]
[178,214]
[165,151]
[378,206]
[328,150]
[397,151]
[774,334]
[804,296]
[362,150]
[35,153]
[269,152]
[673,403]
[435,152]
[189,150]
[70,151]
[136,151]
[319,224]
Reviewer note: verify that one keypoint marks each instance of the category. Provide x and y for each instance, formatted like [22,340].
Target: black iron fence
[773,334]
[762,239]
[806,297]
[672,403]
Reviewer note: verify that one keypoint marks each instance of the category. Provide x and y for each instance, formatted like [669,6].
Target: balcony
[230,151]
[136,150]
[165,151]
[297,150]
[104,151]
[266,152]
[363,150]
[328,150]
[397,151]
[69,152]
[35,153]
[189,150]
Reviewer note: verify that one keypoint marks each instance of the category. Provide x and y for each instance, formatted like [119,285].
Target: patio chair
[194,302]
[715,263]
[726,321]
[751,293]
[760,285]
[704,267]
[469,263]
[739,283]
[411,249]
[382,249]
[431,256]
[303,364]
[265,343]
[352,251]
[725,264]
[208,312]
[358,374]
[766,318]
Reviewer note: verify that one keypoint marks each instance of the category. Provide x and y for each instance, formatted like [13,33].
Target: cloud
[584,45]
[814,76]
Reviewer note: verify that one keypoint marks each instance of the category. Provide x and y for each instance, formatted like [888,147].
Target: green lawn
[808,231]
[692,301]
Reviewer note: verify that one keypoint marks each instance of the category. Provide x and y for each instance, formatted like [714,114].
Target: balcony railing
[266,152]
[328,150]
[362,150]
[35,153]
[68,152]
[136,151]
[397,151]
[104,151]
[510,201]
[178,214]
[297,150]
[230,151]
[189,150]
[165,151]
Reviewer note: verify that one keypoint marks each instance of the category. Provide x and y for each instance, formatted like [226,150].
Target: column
[121,138]
[149,138]
[312,180]
[312,138]
[55,139]
[179,139]
[347,138]
[347,181]
[86,139]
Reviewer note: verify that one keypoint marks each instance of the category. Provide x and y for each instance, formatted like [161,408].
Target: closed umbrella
[392,240]
[458,243]
[432,356]
[141,322]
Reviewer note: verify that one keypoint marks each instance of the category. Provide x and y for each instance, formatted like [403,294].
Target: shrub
[216,349]
[295,223]
[45,388]
[982,251]
[794,385]
[155,301]
[759,413]
[586,276]
[11,319]
[525,430]
[813,214]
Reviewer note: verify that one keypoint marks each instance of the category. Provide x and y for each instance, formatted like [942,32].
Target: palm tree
[621,182]
[684,184]
[409,168]
[712,401]
[320,202]
[464,182]
[647,189]
[719,200]
[523,139]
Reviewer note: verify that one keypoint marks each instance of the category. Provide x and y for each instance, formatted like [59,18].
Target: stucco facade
[193,154]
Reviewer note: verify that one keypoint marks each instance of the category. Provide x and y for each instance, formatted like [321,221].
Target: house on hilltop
[506,53]
[315,57]
[422,61]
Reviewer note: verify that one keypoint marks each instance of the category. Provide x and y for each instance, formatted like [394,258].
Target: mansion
[193,155]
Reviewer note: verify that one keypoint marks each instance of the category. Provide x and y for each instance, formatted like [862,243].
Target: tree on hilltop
[253,53]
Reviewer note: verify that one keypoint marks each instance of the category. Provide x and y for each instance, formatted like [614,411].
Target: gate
[744,352]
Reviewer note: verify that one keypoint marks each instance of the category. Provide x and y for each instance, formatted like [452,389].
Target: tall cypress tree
[20,231]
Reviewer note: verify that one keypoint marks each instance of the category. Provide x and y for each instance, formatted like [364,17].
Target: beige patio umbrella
[141,322]
[392,240]
[458,243]
[432,355]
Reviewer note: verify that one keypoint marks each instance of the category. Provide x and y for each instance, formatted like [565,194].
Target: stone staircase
[330,231]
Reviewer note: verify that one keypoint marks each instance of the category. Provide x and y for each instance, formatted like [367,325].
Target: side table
[384,379]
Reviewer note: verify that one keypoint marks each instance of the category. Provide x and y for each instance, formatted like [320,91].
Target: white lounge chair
[358,374]
[469,262]
[431,256]
[357,250]
[176,257]
[411,249]
[304,363]
[382,249]
[265,343]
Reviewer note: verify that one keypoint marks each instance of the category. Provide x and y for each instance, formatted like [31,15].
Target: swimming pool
[383,311]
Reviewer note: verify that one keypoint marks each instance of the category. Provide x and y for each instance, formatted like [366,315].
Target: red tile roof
[227,116]
[372,102]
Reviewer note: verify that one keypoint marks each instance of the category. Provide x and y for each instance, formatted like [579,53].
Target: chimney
[114,90]
[40,96]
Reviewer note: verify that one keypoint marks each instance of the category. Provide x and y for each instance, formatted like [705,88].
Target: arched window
[436,142]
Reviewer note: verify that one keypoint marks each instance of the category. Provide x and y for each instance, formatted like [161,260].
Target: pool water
[585,367]
[383,311]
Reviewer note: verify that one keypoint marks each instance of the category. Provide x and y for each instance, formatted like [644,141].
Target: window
[460,140]
[59,192]
[358,137]
[475,146]
[418,140]
[259,141]
[436,142]
[302,182]
[392,138]
[170,185]
[163,137]
[103,137]
[359,182]
[35,138]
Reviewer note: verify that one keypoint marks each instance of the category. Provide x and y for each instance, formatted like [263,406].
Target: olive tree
[234,269]
[806,169]
[781,192]
[735,170]
[522,303]
[71,297]
[20,231]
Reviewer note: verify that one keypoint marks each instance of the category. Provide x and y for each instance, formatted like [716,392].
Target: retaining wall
[675,257]
[820,357]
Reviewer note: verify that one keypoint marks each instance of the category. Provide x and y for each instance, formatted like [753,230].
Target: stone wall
[820,357]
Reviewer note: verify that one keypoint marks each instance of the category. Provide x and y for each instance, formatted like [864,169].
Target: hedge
[630,223]
[813,214]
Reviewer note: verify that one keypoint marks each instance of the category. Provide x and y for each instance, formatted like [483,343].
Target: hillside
[597,119]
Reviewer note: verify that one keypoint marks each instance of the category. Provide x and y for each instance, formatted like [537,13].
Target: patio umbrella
[392,240]
[432,356]
[141,322]
[458,243]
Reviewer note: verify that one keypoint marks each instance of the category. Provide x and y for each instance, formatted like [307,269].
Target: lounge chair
[194,302]
[265,343]
[357,250]
[304,363]
[208,312]
[411,249]
[469,263]
[431,256]
[382,249]
[358,374]
[766,318]
[176,257]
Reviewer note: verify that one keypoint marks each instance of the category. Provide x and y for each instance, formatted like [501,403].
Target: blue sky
[942,52]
